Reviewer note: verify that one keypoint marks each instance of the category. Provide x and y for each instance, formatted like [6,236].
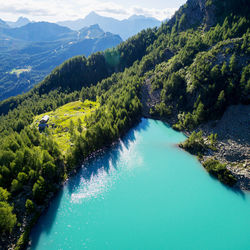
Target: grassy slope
[60,119]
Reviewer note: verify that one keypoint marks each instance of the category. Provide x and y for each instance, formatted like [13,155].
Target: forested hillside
[31,52]
[198,63]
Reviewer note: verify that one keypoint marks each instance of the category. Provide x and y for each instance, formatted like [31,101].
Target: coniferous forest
[199,65]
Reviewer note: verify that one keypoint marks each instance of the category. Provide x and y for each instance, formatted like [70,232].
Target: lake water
[145,193]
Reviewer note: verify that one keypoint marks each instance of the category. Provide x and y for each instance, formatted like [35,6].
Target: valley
[31,57]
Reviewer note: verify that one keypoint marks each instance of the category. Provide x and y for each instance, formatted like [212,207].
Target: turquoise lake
[145,193]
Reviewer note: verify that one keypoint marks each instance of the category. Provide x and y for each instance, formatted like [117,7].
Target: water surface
[145,193]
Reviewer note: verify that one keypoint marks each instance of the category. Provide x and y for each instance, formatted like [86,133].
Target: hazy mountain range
[125,28]
[21,21]
[30,52]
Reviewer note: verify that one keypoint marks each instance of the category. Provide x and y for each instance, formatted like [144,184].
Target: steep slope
[192,74]
[125,28]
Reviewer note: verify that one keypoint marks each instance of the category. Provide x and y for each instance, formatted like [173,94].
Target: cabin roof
[45,118]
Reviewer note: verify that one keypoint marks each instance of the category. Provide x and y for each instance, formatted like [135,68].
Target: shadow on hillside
[90,168]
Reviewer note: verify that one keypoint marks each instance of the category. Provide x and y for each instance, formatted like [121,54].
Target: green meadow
[61,119]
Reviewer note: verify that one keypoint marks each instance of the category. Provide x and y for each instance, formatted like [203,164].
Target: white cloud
[58,10]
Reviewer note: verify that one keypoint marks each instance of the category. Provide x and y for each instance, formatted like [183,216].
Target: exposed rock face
[233,129]
[149,98]
[197,12]
[233,146]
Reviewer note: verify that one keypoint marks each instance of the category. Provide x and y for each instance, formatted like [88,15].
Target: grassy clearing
[18,72]
[60,119]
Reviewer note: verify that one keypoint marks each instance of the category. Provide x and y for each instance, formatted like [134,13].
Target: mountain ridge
[21,21]
[125,28]
[26,62]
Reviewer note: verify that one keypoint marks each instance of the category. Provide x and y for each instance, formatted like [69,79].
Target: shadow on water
[235,190]
[46,220]
[103,159]
[89,168]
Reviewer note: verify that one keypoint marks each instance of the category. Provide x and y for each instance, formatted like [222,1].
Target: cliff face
[207,13]
[193,14]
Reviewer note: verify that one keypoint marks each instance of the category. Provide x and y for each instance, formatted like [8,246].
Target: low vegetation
[18,72]
[67,121]
[220,171]
[196,144]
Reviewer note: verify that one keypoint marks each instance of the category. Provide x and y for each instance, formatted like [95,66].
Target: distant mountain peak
[125,28]
[3,24]
[137,17]
[92,14]
[21,21]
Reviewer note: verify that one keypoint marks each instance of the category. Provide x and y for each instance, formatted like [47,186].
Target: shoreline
[242,184]
[233,130]
[31,222]
[240,170]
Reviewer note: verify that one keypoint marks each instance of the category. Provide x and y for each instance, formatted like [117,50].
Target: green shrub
[38,190]
[220,171]
[7,218]
[29,205]
[4,194]
[16,186]
[195,143]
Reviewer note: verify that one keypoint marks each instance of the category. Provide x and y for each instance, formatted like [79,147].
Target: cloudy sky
[59,10]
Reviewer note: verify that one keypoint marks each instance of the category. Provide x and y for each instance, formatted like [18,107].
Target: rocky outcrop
[149,98]
[233,146]
[194,13]
[233,129]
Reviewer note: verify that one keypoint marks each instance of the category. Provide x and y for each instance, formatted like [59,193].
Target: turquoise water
[145,193]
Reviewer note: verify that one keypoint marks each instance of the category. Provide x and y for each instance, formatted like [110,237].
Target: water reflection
[94,178]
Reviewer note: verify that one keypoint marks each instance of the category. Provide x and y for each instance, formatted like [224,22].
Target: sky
[60,10]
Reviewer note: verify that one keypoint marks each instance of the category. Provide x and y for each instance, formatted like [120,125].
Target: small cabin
[44,120]
[43,123]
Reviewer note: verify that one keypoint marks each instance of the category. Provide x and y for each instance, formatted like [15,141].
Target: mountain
[21,21]
[125,28]
[3,24]
[30,52]
[93,31]
[187,72]
[39,32]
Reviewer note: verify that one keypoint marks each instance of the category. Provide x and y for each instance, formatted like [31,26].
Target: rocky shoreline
[233,130]
[233,143]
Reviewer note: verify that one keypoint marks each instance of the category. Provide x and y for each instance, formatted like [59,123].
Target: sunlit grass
[18,72]
[59,120]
